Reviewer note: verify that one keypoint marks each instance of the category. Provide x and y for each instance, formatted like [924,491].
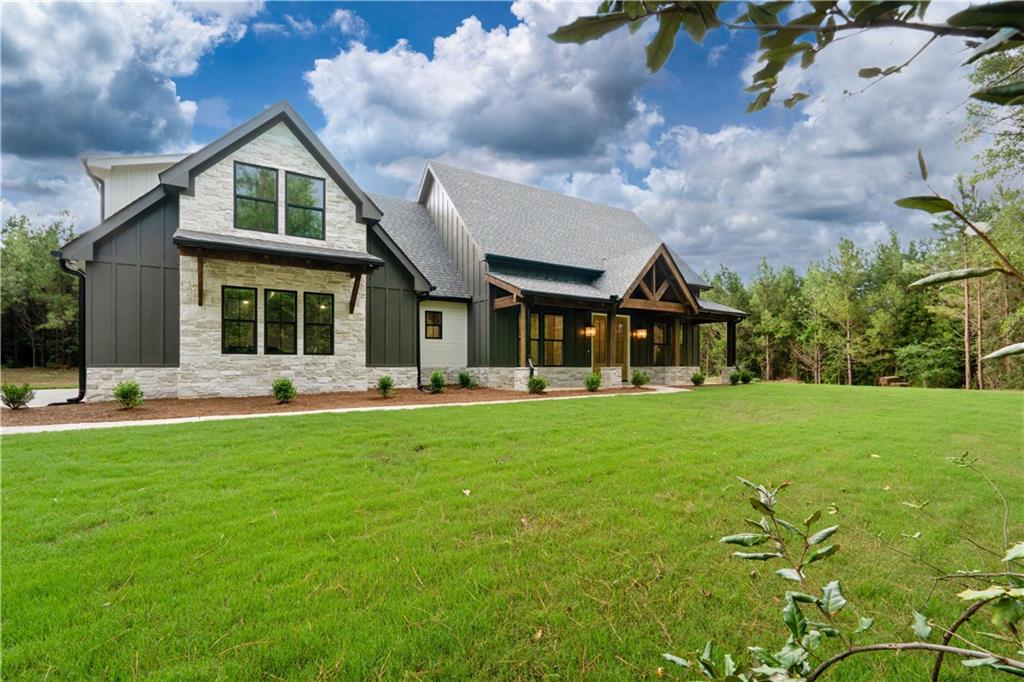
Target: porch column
[677,341]
[609,336]
[524,321]
[730,343]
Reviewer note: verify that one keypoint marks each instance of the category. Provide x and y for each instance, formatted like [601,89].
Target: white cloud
[265,28]
[716,53]
[348,23]
[302,27]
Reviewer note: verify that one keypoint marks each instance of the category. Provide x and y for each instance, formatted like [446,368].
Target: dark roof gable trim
[181,175]
[81,247]
[419,280]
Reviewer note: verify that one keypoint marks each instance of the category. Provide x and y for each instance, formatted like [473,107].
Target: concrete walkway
[45,396]
[44,428]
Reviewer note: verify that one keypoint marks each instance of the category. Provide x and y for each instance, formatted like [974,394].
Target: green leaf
[761,506]
[756,556]
[746,539]
[1006,612]
[760,103]
[953,276]
[675,659]
[822,553]
[822,535]
[870,72]
[661,46]
[922,165]
[931,204]
[990,662]
[794,619]
[1010,94]
[994,43]
[1014,553]
[864,625]
[586,29]
[812,519]
[802,597]
[759,15]
[991,593]
[921,627]
[694,24]
[789,526]
[793,99]
[832,599]
[1005,351]
[995,14]
[789,574]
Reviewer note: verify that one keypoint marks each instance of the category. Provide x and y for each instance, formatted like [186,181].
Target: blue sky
[389,85]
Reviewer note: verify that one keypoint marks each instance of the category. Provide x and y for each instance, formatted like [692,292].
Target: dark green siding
[391,325]
[505,337]
[690,356]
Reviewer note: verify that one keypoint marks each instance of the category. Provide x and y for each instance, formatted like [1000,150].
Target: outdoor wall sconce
[640,333]
[590,331]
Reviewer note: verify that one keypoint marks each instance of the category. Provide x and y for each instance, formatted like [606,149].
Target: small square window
[432,324]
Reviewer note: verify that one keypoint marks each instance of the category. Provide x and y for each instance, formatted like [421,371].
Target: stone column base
[611,377]
[726,371]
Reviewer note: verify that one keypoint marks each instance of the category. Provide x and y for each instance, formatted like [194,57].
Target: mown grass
[41,377]
[343,546]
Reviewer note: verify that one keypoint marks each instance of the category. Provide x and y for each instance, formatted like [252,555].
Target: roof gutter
[63,263]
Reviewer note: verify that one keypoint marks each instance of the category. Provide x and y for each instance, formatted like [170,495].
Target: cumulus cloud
[348,23]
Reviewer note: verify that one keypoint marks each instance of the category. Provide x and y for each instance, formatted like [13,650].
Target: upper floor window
[280,311]
[432,324]
[318,318]
[255,198]
[238,320]
[660,334]
[304,211]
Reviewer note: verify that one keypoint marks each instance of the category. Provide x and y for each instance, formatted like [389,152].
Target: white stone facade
[669,376]
[155,382]
[405,377]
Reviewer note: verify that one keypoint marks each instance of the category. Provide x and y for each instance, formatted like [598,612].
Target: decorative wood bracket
[356,278]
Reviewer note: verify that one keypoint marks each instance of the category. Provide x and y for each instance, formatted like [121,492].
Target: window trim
[255,321]
[427,325]
[306,323]
[267,322]
[665,345]
[539,335]
[235,197]
[322,209]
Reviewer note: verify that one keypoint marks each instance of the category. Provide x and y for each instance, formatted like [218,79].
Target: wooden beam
[501,284]
[646,290]
[662,306]
[677,338]
[522,334]
[355,293]
[287,261]
[199,264]
[662,289]
[506,302]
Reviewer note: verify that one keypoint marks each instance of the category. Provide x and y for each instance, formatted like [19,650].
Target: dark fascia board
[215,242]
[497,259]
[181,175]
[81,247]
[420,281]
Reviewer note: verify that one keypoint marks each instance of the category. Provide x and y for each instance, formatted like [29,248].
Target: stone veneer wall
[564,377]
[205,371]
[155,382]
[669,376]
[405,377]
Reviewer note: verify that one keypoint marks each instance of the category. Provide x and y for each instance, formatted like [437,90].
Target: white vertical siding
[451,350]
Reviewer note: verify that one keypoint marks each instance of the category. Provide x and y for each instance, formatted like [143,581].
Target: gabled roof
[516,221]
[409,225]
[182,174]
[81,247]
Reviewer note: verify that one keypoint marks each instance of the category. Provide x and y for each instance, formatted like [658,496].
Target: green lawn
[41,377]
[343,546]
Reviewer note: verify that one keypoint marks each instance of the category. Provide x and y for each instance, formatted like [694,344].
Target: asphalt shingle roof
[409,225]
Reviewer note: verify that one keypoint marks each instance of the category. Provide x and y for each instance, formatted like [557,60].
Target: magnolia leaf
[995,14]
[746,539]
[824,628]
[822,553]
[1014,553]
[865,624]
[586,29]
[756,556]
[1006,612]
[760,102]
[991,593]
[822,535]
[953,276]
[996,42]
[1010,94]
[802,597]
[870,72]
[789,574]
[812,519]
[832,599]
[784,54]
[675,659]
[760,506]
[922,165]
[694,24]
[921,627]
[1012,349]
[794,619]
[795,98]
[661,46]
[788,526]
[931,204]
[759,15]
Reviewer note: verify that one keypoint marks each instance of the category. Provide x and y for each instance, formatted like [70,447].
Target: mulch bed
[201,407]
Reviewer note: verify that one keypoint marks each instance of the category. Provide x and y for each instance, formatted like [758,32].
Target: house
[258,256]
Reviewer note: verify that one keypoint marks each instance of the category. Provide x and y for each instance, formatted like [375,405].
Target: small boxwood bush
[697,378]
[593,381]
[128,395]
[466,379]
[437,381]
[639,378]
[17,397]
[536,384]
[283,390]
[734,378]
[746,375]
[385,386]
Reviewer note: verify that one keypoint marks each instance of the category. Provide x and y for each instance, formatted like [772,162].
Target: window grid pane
[238,320]
[280,322]
[304,210]
[318,321]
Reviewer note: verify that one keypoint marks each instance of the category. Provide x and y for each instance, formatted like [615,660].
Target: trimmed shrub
[734,378]
[385,386]
[697,378]
[639,378]
[16,397]
[593,381]
[437,381]
[536,384]
[283,390]
[466,379]
[746,375]
[128,395]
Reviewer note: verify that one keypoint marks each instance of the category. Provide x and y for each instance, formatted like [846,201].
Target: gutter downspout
[81,326]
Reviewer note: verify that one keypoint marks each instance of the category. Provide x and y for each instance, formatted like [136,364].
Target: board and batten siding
[132,288]
[469,260]
[391,311]
[451,350]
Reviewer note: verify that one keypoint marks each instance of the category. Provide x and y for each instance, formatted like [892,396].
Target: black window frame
[237,196]
[427,324]
[539,339]
[547,339]
[322,208]
[267,322]
[223,319]
[665,345]
[306,324]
